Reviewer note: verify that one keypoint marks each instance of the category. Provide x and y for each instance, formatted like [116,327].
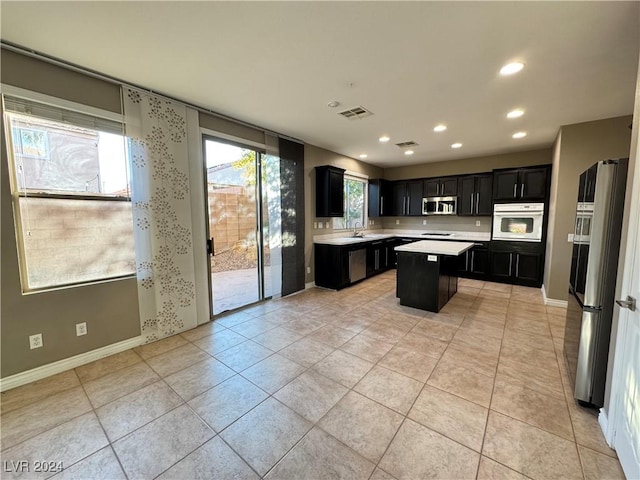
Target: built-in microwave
[520,222]
[440,206]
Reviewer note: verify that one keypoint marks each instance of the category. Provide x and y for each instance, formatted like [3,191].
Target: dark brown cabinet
[528,184]
[380,198]
[407,198]
[329,191]
[441,187]
[474,263]
[518,265]
[474,195]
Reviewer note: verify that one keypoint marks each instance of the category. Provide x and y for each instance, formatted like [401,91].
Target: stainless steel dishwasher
[357,265]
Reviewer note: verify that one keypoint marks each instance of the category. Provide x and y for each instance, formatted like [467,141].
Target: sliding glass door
[238,225]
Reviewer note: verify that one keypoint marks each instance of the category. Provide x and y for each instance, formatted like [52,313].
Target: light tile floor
[323,385]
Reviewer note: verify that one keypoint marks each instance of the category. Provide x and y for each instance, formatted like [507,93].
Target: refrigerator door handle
[586,353]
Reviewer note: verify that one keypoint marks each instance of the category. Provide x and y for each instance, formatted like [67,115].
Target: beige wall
[553,200]
[470,165]
[313,157]
[581,146]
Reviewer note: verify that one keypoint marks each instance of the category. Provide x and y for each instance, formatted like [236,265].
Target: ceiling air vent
[355,112]
[408,144]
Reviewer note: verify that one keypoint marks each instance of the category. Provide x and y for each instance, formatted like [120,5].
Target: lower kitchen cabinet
[475,263]
[338,266]
[519,265]
[376,258]
[331,266]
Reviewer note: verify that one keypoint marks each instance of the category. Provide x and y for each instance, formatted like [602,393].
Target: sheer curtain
[157,132]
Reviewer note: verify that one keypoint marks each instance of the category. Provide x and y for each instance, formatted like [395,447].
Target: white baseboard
[552,302]
[60,366]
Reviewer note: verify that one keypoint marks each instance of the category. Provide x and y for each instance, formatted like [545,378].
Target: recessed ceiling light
[456,145]
[384,139]
[511,68]
[363,155]
[408,152]
[517,113]
[519,135]
[439,128]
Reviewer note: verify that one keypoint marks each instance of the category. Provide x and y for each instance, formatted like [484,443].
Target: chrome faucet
[355,230]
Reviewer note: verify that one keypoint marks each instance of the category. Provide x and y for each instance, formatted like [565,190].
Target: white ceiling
[413,64]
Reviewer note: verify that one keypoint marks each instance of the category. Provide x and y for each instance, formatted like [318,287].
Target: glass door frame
[259,225]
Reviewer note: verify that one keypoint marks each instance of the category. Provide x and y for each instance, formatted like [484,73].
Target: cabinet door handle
[473,258]
[408,204]
[515,189]
[510,262]
[521,190]
[466,261]
[404,205]
[381,205]
[472,203]
[517,264]
[477,203]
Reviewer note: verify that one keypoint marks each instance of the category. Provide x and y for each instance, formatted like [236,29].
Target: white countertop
[344,238]
[435,247]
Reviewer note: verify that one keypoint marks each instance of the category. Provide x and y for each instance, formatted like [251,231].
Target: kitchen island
[426,276]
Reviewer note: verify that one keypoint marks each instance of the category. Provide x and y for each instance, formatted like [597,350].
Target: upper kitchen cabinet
[528,184]
[407,198]
[441,187]
[329,191]
[474,194]
[380,198]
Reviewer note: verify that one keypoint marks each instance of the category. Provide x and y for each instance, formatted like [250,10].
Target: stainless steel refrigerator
[592,280]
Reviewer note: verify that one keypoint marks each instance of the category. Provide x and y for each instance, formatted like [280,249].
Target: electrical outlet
[424,222]
[81,329]
[308,269]
[570,237]
[35,341]
[319,225]
[326,225]
[397,222]
[315,225]
[477,223]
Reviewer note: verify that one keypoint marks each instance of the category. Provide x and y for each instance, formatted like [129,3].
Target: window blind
[50,112]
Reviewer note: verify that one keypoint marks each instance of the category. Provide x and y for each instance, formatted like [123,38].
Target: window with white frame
[355,207]
[70,190]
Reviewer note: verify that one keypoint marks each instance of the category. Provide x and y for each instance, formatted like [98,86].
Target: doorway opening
[238,224]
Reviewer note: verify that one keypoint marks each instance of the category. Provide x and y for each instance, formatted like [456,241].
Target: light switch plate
[424,222]
[570,237]
[326,225]
[315,225]
[397,222]
[477,223]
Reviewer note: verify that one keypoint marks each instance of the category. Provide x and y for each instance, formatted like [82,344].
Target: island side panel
[418,281]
